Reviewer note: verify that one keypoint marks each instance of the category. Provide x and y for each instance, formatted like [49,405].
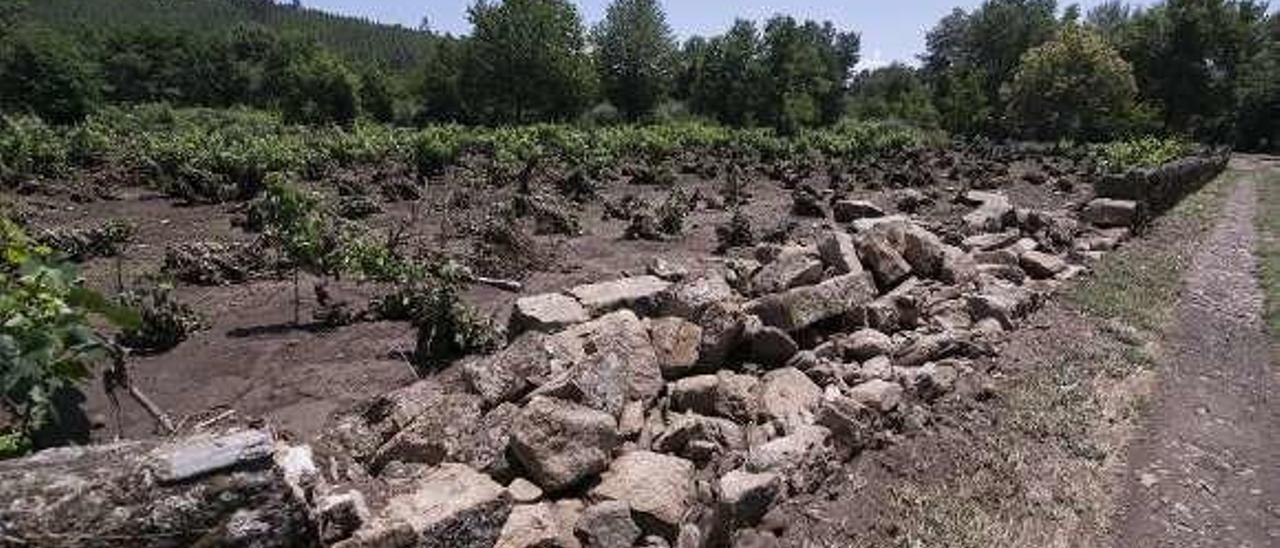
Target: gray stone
[787,395]
[744,497]
[525,364]
[846,211]
[877,394]
[882,258]
[1009,273]
[452,506]
[444,432]
[1107,212]
[194,457]
[616,363]
[688,299]
[770,346]
[676,342]
[793,267]
[991,216]
[787,451]
[839,252]
[638,292]
[879,367]
[659,489]
[1041,265]
[545,525]
[923,250]
[547,312]
[865,344]
[802,307]
[524,491]
[608,525]
[958,267]
[561,443]
[341,515]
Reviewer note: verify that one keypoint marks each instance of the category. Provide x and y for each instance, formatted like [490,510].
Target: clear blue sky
[892,30]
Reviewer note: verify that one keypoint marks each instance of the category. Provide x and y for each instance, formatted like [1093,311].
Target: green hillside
[357,39]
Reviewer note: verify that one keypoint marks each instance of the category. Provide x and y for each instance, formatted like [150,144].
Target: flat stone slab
[634,292]
[547,312]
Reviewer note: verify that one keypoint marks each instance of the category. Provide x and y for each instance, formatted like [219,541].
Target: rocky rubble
[655,411]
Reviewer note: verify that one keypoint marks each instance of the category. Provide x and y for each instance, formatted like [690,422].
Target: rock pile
[643,411]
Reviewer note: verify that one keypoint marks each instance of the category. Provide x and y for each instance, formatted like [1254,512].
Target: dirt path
[1206,469]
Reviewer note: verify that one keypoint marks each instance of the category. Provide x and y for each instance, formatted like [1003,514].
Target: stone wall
[1158,189]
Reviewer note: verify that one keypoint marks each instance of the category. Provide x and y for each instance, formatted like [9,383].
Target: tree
[726,88]
[48,75]
[376,97]
[1258,101]
[526,62]
[9,12]
[635,52]
[805,68]
[1075,86]
[1187,55]
[317,89]
[440,83]
[1110,20]
[982,49]
[894,92]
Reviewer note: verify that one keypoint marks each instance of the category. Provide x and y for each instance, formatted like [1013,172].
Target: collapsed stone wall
[1157,189]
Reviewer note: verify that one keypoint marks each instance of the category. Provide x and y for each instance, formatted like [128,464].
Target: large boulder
[159,493]
[725,394]
[923,250]
[802,307]
[562,443]
[615,362]
[451,506]
[659,489]
[638,292]
[793,267]
[1041,265]
[879,254]
[877,394]
[839,252]
[444,432]
[525,364]
[699,437]
[789,451]
[547,312]
[688,299]
[362,430]
[722,329]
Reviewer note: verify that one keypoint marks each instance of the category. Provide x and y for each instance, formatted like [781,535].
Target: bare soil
[1206,469]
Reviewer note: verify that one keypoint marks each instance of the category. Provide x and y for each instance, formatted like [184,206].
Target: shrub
[318,89]
[1074,86]
[165,322]
[47,341]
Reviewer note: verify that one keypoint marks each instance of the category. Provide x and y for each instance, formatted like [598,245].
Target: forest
[1206,70]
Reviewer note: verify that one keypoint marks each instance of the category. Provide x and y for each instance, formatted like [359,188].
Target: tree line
[1207,69]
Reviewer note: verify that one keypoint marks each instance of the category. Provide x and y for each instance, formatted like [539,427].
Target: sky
[892,30]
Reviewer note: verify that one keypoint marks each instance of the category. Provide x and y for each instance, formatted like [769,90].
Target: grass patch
[1268,219]
[1139,284]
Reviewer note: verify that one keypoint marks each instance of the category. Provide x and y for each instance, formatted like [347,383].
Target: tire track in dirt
[1205,471]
